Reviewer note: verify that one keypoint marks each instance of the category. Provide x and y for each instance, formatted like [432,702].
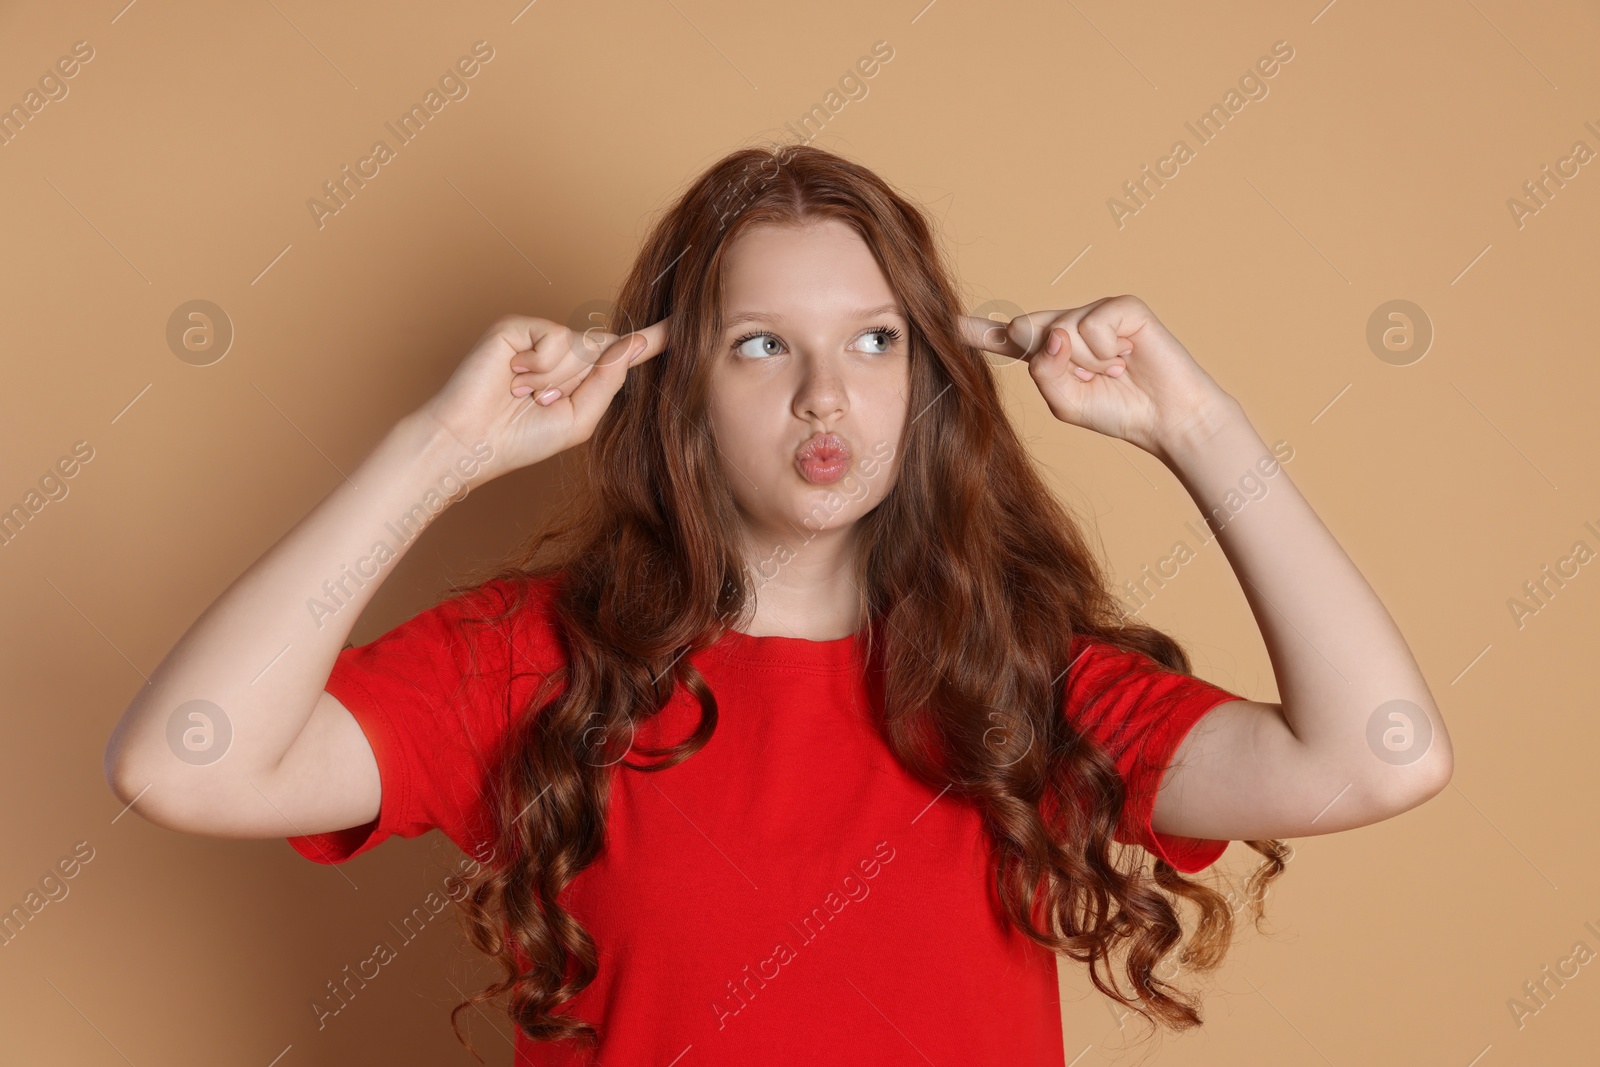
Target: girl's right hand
[493,395]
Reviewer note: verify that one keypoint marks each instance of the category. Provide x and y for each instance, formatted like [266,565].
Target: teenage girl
[809,730]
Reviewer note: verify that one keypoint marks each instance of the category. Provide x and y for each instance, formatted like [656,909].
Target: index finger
[990,335]
[655,340]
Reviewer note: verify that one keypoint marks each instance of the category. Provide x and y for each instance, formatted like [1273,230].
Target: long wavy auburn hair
[976,580]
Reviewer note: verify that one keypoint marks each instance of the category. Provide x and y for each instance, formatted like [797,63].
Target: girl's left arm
[1358,737]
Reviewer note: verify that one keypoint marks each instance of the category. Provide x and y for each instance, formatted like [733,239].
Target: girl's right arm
[233,735]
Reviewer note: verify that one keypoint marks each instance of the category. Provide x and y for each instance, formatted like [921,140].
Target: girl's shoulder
[519,610]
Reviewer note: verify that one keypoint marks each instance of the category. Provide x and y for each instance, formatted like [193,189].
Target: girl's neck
[807,591]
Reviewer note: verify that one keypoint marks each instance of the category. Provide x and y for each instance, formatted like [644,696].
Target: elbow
[1433,771]
[1438,775]
[149,776]
[1403,780]
[113,765]
[1415,784]
[118,761]
[157,802]
[126,781]
[138,768]
[131,772]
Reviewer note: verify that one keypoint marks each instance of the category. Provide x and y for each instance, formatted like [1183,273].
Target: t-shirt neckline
[837,653]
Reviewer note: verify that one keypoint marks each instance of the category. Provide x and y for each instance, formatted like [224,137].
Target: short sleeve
[1140,720]
[434,698]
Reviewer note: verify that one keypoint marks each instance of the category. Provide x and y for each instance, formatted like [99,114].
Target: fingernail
[549,395]
[1116,372]
[519,370]
[635,350]
[1054,344]
[522,390]
[1083,373]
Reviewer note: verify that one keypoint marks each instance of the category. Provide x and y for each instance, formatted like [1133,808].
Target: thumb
[593,395]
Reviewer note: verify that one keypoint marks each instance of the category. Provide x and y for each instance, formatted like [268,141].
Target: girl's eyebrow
[767,316]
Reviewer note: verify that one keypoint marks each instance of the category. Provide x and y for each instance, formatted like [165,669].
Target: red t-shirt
[787,895]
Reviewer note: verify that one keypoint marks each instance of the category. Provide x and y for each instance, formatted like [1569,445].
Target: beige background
[1378,167]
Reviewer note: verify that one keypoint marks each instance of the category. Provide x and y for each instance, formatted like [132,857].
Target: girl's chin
[814,511]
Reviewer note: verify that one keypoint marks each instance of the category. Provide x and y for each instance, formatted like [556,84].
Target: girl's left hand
[1109,366]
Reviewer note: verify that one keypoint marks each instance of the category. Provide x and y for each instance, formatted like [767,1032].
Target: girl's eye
[756,345]
[752,353]
[889,335]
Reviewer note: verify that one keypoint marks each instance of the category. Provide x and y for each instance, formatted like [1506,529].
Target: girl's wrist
[426,451]
[1188,435]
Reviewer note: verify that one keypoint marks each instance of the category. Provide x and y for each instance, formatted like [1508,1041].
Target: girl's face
[810,382]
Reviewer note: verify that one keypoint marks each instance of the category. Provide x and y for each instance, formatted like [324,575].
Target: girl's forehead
[790,272]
